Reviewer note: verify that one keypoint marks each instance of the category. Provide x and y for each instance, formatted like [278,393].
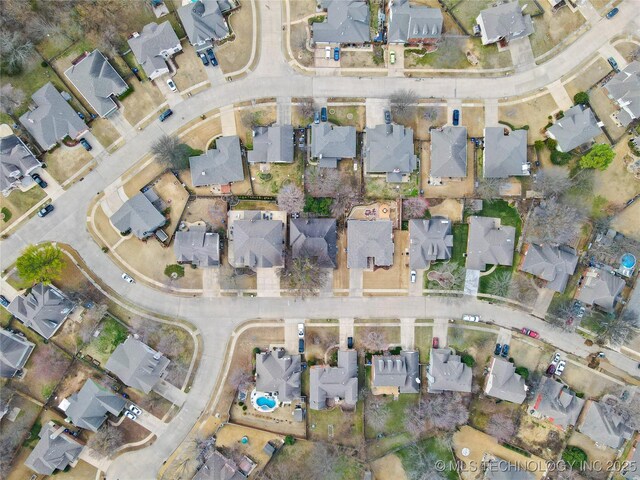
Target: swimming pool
[264,402]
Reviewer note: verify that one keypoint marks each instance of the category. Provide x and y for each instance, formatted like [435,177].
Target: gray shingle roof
[600,288]
[347,22]
[54,451]
[429,240]
[14,353]
[328,383]
[504,21]
[219,467]
[330,143]
[88,408]
[314,238]
[503,382]
[43,310]
[257,242]
[369,240]
[198,247]
[505,155]
[272,144]
[499,469]
[449,152]
[219,166]
[624,88]
[278,372]
[203,21]
[149,46]
[401,371]
[97,81]
[53,119]
[139,215]
[557,402]
[577,127]
[553,264]
[412,22]
[603,427]
[16,161]
[389,149]
[447,373]
[489,243]
[137,365]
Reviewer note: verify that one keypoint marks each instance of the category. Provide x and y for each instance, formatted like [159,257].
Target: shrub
[175,269]
[105,249]
[241,403]
[581,98]
[551,143]
[467,360]
[539,145]
[599,157]
[44,64]
[575,457]
[560,158]
[244,408]
[289,440]
[523,372]
[6,214]
[126,93]
[319,206]
[256,350]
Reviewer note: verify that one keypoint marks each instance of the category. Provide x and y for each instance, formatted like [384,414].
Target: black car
[43,212]
[3,301]
[387,117]
[166,114]
[301,345]
[38,179]
[204,59]
[498,349]
[505,350]
[212,57]
[349,342]
[87,146]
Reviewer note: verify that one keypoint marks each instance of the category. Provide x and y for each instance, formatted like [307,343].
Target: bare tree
[10,100]
[325,462]
[170,151]
[306,108]
[403,103]
[291,199]
[454,273]
[303,276]
[375,340]
[15,51]
[522,289]
[499,283]
[376,413]
[619,330]
[559,314]
[554,222]
[250,118]
[430,114]
[553,181]
[323,182]
[106,440]
[414,207]
[489,188]
[423,464]
[443,411]
[347,196]
[501,426]
[90,320]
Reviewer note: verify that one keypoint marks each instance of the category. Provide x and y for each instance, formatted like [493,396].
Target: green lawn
[485,279]
[112,334]
[437,448]
[423,339]
[501,209]
[460,234]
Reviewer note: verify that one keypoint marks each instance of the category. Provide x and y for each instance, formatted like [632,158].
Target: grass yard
[18,203]
[298,45]
[301,9]
[409,456]
[335,426]
[352,115]
[588,77]
[501,209]
[360,59]
[234,55]
[268,178]
[485,280]
[63,162]
[479,344]
[248,116]
[54,44]
[422,339]
[191,71]
[460,233]
[532,112]
[391,335]
[552,28]
[627,50]
[467,11]
[111,333]
[378,188]
[145,99]
[395,409]
[104,131]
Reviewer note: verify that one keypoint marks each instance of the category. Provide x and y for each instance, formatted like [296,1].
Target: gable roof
[137,365]
[447,373]
[413,22]
[504,155]
[504,21]
[16,161]
[218,166]
[504,383]
[429,240]
[97,81]
[219,467]
[624,88]
[577,127]
[389,149]
[369,239]
[203,21]
[149,44]
[330,143]
[54,451]
[257,242]
[557,402]
[139,215]
[314,238]
[327,383]
[197,246]
[489,243]
[600,288]
[402,371]
[52,119]
[272,144]
[553,264]
[347,22]
[43,309]
[88,408]
[449,152]
[604,427]
[14,352]
[278,372]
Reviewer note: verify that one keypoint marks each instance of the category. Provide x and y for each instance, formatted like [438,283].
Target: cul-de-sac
[320,239]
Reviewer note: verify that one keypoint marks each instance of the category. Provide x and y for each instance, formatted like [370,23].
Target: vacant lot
[234,55]
[531,112]
[64,162]
[551,28]
[18,203]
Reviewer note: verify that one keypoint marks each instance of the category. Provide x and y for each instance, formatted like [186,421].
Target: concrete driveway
[397,69]
[415,289]
[268,280]
[211,282]
[170,392]
[375,108]
[346,330]
[355,282]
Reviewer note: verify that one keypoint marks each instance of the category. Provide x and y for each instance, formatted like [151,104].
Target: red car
[531,333]
[551,369]
[435,342]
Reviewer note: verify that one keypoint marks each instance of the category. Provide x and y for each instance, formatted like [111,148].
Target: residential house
[504,22]
[89,407]
[429,240]
[219,467]
[154,46]
[601,288]
[624,89]
[489,243]
[53,119]
[497,468]
[315,238]
[219,166]
[503,382]
[603,426]
[139,215]
[44,309]
[138,365]
[98,82]
[505,153]
[347,23]
[557,403]
[369,243]
[413,24]
[388,150]
[447,373]
[197,247]
[330,143]
[448,152]
[272,144]
[256,240]
[279,373]
[15,350]
[56,450]
[577,127]
[332,385]
[553,264]
[16,163]
[395,374]
[204,22]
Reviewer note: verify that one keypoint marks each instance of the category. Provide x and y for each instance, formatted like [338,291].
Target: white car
[327,52]
[413,276]
[129,415]
[560,367]
[471,318]
[127,278]
[301,330]
[556,359]
[135,410]
[172,85]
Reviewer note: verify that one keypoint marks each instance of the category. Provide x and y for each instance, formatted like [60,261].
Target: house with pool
[277,380]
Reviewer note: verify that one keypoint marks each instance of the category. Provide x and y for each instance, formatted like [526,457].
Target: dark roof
[341,382]
[197,246]
[577,127]
[369,239]
[43,309]
[203,21]
[88,408]
[219,467]
[553,264]
[137,365]
[16,161]
[489,243]
[504,155]
[499,469]
[601,288]
[272,144]
[389,149]
[278,372]
[449,152]
[429,240]
[54,451]
[139,215]
[413,22]
[219,166]
[503,382]
[347,22]
[557,402]
[402,371]
[447,372]
[257,242]
[14,353]
[314,238]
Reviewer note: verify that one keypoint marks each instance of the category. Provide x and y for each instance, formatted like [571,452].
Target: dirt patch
[588,77]
[389,466]
[396,276]
[531,112]
[450,208]
[76,377]
[448,188]
[234,55]
[213,211]
[540,437]
[301,8]
[191,71]
[627,50]
[145,99]
[64,162]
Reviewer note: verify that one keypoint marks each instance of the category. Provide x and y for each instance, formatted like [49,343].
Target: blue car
[212,57]
[505,350]
[323,114]
[336,54]
[613,13]
[498,349]
[166,114]
[456,117]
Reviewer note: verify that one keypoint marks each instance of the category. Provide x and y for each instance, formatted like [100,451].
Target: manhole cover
[349,116]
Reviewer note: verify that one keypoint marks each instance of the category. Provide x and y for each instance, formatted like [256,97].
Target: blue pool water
[265,402]
[628,260]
